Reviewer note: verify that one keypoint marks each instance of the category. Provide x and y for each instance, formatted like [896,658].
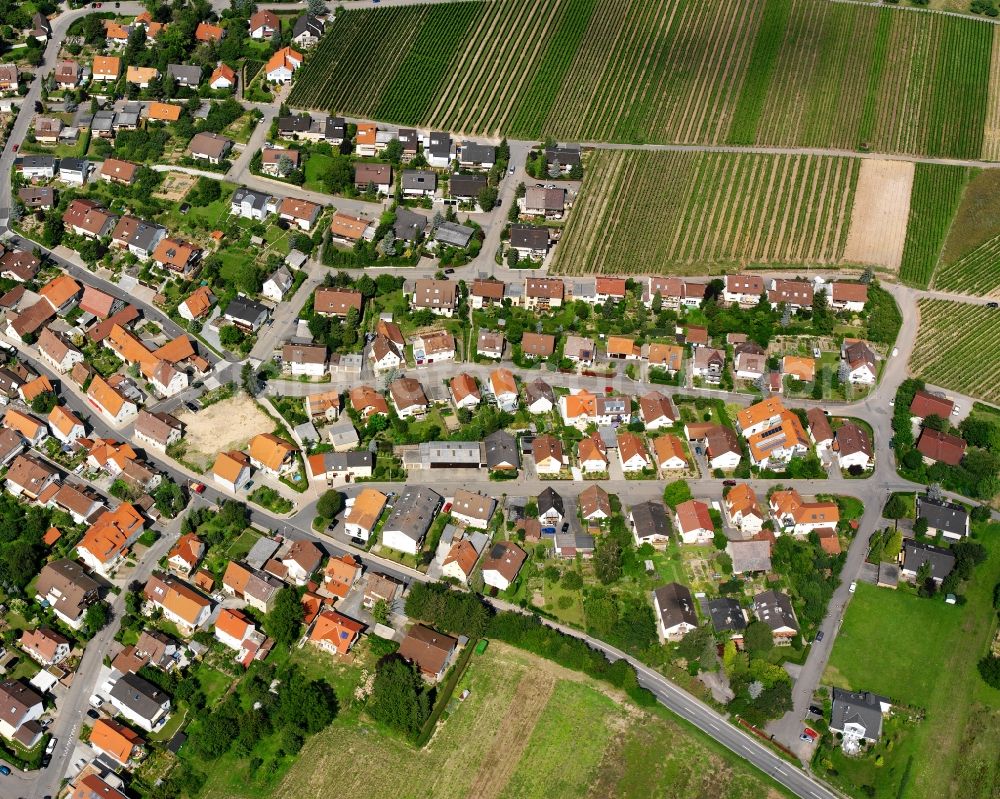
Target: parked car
[819,636]
[5,770]
[854,586]
[993,305]
[565,527]
[806,738]
[51,746]
[816,710]
[895,351]
[198,488]
[729,482]
[93,714]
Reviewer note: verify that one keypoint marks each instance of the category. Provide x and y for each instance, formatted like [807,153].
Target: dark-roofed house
[37,197]
[529,241]
[410,519]
[853,446]
[466,188]
[775,610]
[452,234]
[20,706]
[727,616]
[472,155]
[429,650]
[551,509]
[307,30]
[947,518]
[185,74]
[419,182]
[139,701]
[650,524]
[246,314]
[674,611]
[916,553]
[377,177]
[857,717]
[501,451]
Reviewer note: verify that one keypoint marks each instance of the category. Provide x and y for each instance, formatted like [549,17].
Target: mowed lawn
[924,653]
[528,729]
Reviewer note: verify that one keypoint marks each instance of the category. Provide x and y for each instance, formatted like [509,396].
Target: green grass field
[528,729]
[934,201]
[969,256]
[924,653]
[784,72]
[692,211]
[956,348]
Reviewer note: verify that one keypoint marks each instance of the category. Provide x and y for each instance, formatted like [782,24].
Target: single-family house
[675,614]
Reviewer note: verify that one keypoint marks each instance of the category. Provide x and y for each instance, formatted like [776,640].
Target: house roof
[340,573]
[30,474]
[693,515]
[669,355]
[348,227]
[176,596]
[545,447]
[538,345]
[304,354]
[16,699]
[548,500]
[69,584]
[60,290]
[775,610]
[750,556]
[141,696]
[199,301]
[189,548]
[591,448]
[463,385]
[165,112]
[843,291]
[502,381]
[506,558]
[667,448]
[363,397]
[209,144]
[234,623]
[270,450]
[336,629]
[105,396]
[655,405]
[464,555]
[819,425]
[31,389]
[501,450]
[427,648]
[44,642]
[850,439]
[26,424]
[926,404]
[336,301]
[114,739]
[222,71]
[760,412]
[790,502]
[304,554]
[745,284]
[209,33]
[675,604]
[864,709]
[800,367]
[942,515]
[285,57]
[473,505]
[407,392]
[650,519]
[108,536]
[91,786]
[299,209]
[135,74]
[631,446]
[916,553]
[64,420]
[413,512]
[491,289]
[594,499]
[727,615]
[742,500]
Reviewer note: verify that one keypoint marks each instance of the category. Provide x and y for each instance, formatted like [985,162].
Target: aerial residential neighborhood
[474,397]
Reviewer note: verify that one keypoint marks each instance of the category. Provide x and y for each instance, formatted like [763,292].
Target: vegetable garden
[778,72]
[688,211]
[957,347]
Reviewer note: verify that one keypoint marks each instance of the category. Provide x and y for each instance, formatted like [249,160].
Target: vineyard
[957,346]
[777,72]
[937,191]
[976,273]
[688,212]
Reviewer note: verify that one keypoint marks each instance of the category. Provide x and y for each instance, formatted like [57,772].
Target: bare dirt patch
[881,209]
[175,186]
[224,426]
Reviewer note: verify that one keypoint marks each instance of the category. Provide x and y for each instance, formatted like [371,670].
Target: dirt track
[881,209]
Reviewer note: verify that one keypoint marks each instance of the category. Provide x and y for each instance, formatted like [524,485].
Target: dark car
[565,527]
[993,305]
[819,636]
[93,714]
[449,271]
[38,107]
[358,542]
[5,770]
[192,407]
[729,482]
[815,710]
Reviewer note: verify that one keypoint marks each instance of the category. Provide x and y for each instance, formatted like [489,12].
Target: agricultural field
[934,201]
[968,259]
[952,751]
[511,738]
[778,72]
[878,218]
[957,348]
[688,211]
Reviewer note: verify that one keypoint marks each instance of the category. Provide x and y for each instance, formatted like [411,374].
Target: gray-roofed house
[439,151]
[453,234]
[187,75]
[409,226]
[139,701]
[261,552]
[36,167]
[951,520]
[159,429]
[650,524]
[728,616]
[307,31]
[246,314]
[916,553]
[410,519]
[251,204]
[548,203]
[501,451]
[419,182]
[291,126]
[750,556]
[560,160]
[675,613]
[473,155]
[74,170]
[529,241]
[775,610]
[858,717]
[448,455]
[342,435]
[466,188]
[103,124]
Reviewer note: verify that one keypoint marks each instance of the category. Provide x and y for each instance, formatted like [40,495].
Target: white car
[854,586]
[955,410]
[895,351]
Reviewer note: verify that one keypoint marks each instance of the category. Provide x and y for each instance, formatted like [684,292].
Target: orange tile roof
[209,33]
[340,574]
[189,548]
[115,739]
[105,396]
[182,600]
[743,500]
[790,503]
[588,450]
[199,301]
[107,65]
[693,515]
[236,576]
[669,355]
[222,71]
[464,554]
[622,346]
[234,623]
[285,57]
[583,403]
[668,447]
[164,112]
[270,450]
[107,537]
[228,465]
[311,606]
[503,381]
[792,434]
[366,133]
[60,290]
[612,286]
[140,74]
[631,445]
[31,389]
[368,506]
[759,412]
[63,420]
[52,535]
[27,425]
[335,629]
[463,385]
[114,30]
[177,350]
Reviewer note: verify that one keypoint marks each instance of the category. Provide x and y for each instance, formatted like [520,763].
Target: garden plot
[221,427]
[881,209]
